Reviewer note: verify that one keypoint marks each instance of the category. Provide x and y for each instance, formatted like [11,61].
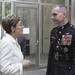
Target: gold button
[58,42]
[57,46]
[69,67]
[59,39]
[59,32]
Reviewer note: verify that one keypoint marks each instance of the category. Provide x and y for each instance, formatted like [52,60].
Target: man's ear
[13,29]
[65,14]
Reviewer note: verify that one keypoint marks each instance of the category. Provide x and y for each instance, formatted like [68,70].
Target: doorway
[29,15]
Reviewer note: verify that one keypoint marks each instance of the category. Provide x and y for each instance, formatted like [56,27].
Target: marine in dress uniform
[61,60]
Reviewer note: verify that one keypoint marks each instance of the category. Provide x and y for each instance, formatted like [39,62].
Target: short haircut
[9,21]
[63,8]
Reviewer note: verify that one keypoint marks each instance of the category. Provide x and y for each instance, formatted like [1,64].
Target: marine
[61,58]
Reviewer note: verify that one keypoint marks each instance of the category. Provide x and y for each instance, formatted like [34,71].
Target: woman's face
[19,29]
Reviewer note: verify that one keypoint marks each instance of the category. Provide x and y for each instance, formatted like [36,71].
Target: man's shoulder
[72,27]
[55,28]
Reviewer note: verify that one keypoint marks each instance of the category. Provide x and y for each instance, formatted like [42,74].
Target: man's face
[58,16]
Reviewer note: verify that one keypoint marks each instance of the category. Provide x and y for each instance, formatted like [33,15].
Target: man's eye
[54,14]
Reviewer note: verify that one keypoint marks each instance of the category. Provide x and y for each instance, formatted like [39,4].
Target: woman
[11,58]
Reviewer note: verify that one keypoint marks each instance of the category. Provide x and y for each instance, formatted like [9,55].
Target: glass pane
[28,0]
[7,8]
[47,25]
[0,0]
[28,16]
[54,1]
[0,12]
[0,17]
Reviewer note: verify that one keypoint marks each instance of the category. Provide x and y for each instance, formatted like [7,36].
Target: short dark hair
[9,21]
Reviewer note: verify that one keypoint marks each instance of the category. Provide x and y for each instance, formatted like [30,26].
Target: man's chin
[55,23]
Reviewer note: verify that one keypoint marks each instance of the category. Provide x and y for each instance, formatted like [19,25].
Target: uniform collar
[64,26]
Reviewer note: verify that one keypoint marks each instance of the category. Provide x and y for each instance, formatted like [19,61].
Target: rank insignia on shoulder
[66,39]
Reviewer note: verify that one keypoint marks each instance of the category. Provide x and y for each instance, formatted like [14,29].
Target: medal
[56,55]
[65,49]
[66,39]
[63,42]
[69,41]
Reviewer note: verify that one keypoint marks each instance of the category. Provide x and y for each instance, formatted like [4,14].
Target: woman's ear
[13,29]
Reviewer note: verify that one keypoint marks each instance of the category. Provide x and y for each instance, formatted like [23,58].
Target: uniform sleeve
[6,65]
[50,57]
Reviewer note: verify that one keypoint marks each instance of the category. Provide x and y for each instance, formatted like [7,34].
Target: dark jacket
[61,60]
[22,42]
